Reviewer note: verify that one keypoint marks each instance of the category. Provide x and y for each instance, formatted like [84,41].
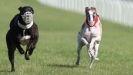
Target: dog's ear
[20,8]
[30,9]
[33,10]
[86,10]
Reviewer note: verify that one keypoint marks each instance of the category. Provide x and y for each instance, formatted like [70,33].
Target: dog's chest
[25,38]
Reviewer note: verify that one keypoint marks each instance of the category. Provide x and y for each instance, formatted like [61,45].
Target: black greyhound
[23,31]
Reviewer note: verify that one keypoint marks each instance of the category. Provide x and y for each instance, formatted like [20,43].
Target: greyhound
[90,35]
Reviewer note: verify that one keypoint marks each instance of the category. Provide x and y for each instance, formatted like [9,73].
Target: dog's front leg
[32,44]
[27,50]
[93,50]
[84,41]
[20,49]
[30,47]
[96,48]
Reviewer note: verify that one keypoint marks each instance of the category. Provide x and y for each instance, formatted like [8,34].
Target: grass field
[56,50]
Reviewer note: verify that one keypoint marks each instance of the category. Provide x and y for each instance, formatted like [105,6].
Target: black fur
[15,33]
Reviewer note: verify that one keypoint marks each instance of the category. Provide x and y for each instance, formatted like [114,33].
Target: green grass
[56,50]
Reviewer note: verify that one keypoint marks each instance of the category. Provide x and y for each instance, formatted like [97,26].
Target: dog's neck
[25,26]
[96,18]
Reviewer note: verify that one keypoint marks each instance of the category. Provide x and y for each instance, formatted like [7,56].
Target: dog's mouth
[27,17]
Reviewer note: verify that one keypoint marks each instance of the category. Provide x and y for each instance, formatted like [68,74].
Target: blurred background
[59,22]
[114,10]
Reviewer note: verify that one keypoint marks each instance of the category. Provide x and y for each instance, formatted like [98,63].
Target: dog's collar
[25,27]
[94,23]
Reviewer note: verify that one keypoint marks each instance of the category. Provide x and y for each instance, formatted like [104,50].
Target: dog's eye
[31,11]
[22,13]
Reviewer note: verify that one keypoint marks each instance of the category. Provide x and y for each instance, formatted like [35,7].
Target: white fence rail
[120,11]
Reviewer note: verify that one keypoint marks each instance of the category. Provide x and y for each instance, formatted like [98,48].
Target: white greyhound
[90,35]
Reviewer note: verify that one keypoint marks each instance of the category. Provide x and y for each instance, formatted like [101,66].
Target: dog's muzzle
[27,17]
[91,16]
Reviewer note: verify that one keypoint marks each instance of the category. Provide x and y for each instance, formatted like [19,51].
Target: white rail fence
[120,11]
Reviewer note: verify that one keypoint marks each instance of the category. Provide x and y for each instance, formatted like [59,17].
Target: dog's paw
[22,52]
[27,57]
[77,63]
[13,70]
[30,53]
[97,59]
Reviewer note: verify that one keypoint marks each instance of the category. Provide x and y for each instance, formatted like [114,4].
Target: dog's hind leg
[20,49]
[79,47]
[11,50]
[80,44]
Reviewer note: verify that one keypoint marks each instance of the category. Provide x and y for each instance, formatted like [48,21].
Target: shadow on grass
[63,65]
[2,71]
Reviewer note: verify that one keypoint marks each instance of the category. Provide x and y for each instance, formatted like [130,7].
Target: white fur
[25,39]
[91,12]
[25,26]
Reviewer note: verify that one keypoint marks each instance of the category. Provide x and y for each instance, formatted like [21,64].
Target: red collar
[95,21]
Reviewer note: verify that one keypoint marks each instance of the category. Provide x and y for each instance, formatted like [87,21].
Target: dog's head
[26,14]
[90,13]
